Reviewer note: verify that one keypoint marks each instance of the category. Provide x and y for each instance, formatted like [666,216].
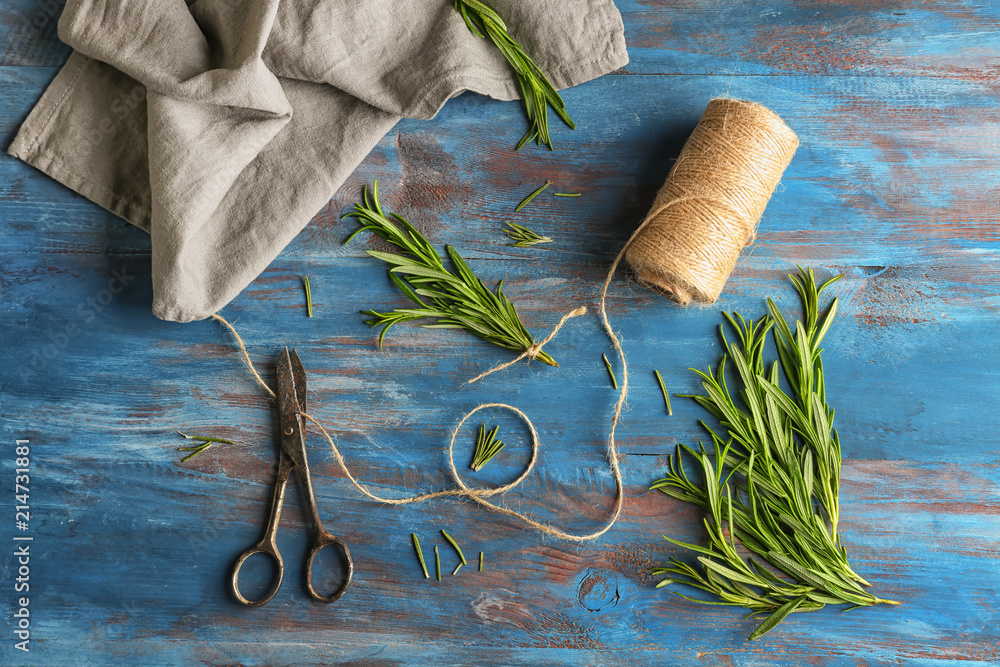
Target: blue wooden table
[895,186]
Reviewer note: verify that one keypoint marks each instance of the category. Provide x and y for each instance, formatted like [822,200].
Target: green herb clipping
[773,480]
[487,446]
[663,390]
[527,200]
[420,554]
[453,299]
[454,544]
[523,237]
[611,370]
[536,91]
[309,296]
[205,441]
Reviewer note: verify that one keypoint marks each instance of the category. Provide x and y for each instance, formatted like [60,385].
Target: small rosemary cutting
[772,482]
[205,442]
[453,299]
[536,91]
[487,446]
[524,237]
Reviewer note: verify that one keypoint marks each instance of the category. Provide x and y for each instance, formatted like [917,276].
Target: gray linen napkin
[222,127]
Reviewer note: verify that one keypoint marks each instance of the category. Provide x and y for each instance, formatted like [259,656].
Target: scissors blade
[291,402]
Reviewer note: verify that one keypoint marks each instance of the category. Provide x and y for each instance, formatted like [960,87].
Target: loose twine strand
[732,166]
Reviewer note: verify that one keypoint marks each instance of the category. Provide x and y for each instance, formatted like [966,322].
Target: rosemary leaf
[775,618]
[611,371]
[526,200]
[457,568]
[536,91]
[309,298]
[205,438]
[663,390]
[205,443]
[772,479]
[480,561]
[453,543]
[525,237]
[420,554]
[437,562]
[567,194]
[450,298]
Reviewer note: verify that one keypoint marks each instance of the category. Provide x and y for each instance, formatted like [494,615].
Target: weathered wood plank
[894,186]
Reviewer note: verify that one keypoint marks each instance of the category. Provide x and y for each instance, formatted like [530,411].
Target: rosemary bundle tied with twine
[772,481]
[451,298]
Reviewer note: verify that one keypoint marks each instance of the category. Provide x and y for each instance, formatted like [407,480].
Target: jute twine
[710,204]
[685,247]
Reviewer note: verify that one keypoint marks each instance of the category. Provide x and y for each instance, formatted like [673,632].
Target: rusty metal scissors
[292,456]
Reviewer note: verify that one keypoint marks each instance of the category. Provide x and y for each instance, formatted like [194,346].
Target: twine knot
[533,351]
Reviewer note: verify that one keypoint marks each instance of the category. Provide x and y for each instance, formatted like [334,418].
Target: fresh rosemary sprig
[487,446]
[773,481]
[525,237]
[205,441]
[527,200]
[453,299]
[536,91]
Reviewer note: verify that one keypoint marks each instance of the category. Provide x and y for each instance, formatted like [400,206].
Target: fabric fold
[222,127]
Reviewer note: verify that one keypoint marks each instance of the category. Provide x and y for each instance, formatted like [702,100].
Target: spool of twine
[710,204]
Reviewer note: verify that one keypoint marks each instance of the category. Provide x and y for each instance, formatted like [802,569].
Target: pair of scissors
[291,379]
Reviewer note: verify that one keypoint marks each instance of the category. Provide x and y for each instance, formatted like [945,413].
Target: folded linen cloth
[222,127]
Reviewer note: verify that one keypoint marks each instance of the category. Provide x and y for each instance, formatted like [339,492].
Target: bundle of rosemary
[536,91]
[453,299]
[772,482]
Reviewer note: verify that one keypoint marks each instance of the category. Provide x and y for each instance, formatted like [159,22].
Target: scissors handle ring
[325,539]
[260,548]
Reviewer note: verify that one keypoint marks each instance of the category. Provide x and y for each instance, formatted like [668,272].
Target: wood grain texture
[895,186]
